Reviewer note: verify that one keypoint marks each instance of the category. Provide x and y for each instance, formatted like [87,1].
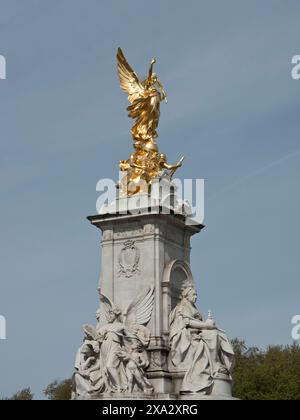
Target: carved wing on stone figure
[129,80]
[137,315]
[107,304]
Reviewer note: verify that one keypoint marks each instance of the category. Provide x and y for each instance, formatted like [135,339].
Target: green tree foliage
[59,390]
[23,395]
[273,374]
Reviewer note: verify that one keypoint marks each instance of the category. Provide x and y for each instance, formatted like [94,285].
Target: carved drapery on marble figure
[113,357]
[198,347]
[88,376]
[150,341]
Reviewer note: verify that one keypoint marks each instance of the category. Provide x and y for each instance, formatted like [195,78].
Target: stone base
[157,396]
[222,386]
[133,396]
[206,397]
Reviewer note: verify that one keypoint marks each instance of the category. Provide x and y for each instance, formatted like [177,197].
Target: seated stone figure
[197,346]
[87,378]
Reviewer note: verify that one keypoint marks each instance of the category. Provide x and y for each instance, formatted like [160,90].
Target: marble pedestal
[151,248]
[148,317]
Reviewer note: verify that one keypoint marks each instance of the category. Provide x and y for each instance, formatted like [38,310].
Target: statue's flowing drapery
[111,365]
[88,376]
[146,111]
[144,96]
[208,352]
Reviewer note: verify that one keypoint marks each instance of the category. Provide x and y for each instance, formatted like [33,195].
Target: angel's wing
[108,305]
[129,80]
[140,310]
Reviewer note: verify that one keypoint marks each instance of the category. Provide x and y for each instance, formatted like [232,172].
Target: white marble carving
[136,362]
[186,358]
[88,377]
[129,259]
[198,347]
[113,357]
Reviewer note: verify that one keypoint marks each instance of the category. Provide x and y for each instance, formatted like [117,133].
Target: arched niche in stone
[177,274]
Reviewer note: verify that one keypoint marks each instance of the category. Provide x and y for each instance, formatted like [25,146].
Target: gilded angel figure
[144,96]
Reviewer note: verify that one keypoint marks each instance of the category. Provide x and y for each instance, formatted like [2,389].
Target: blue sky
[233,111]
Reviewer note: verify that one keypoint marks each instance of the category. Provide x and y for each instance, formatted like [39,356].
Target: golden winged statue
[145,96]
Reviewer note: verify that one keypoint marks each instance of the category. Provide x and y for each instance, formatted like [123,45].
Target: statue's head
[86,349]
[96,347]
[163,157]
[114,314]
[153,78]
[189,293]
[150,81]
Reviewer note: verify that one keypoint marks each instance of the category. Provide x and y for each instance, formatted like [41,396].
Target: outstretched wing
[140,310]
[129,80]
[108,305]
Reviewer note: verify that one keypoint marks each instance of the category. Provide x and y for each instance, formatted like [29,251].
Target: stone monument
[150,341]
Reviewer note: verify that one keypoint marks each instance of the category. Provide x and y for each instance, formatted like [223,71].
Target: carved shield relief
[129,259]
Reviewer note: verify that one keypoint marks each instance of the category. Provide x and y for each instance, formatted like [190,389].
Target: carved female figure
[88,377]
[114,337]
[204,350]
[111,338]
